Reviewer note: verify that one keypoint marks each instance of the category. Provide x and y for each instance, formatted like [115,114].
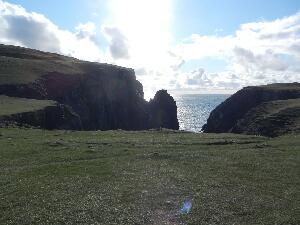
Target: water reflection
[193,110]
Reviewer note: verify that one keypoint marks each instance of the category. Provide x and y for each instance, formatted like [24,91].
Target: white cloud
[20,27]
[86,30]
[258,52]
[269,61]
[119,48]
[33,30]
[201,80]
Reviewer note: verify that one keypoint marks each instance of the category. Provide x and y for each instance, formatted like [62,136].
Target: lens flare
[186,207]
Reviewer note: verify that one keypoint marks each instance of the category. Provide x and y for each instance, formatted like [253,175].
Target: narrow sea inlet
[193,110]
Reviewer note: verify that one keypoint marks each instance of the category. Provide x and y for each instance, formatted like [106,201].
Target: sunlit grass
[10,105]
[116,177]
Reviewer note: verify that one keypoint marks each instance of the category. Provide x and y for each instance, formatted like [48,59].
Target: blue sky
[215,45]
[206,16]
[190,16]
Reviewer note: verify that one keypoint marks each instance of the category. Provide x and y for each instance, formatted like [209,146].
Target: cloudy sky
[185,46]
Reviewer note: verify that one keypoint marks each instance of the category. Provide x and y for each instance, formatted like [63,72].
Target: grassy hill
[117,177]
[269,110]
[272,118]
[277,87]
[44,114]
[23,65]
[11,105]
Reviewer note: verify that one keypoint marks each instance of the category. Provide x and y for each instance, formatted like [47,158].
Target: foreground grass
[116,177]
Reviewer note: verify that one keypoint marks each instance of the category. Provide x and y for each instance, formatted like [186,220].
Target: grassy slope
[278,117]
[281,86]
[117,177]
[22,65]
[10,105]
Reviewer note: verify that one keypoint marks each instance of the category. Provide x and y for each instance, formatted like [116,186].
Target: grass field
[117,177]
[10,105]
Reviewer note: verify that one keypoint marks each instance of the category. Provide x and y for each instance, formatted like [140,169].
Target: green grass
[10,105]
[279,86]
[273,118]
[23,65]
[116,177]
[23,71]
[267,109]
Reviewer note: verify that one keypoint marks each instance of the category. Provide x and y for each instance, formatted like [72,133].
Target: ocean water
[193,110]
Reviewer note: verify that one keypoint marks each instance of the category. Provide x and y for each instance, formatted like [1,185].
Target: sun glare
[147,26]
[143,14]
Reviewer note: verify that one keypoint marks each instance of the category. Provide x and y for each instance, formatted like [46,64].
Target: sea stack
[163,111]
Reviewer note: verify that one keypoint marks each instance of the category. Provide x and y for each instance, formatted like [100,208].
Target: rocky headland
[268,110]
[98,96]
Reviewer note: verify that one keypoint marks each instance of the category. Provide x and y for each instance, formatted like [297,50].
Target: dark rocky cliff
[51,117]
[163,111]
[237,113]
[103,96]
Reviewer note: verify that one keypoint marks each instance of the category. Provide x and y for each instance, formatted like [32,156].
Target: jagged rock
[103,96]
[231,115]
[163,111]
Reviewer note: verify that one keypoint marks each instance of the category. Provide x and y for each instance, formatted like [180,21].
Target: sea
[193,109]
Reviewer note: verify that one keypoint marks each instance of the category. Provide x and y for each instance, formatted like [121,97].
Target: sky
[184,46]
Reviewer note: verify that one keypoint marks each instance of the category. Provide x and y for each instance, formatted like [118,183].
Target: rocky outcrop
[103,96]
[51,117]
[237,114]
[163,111]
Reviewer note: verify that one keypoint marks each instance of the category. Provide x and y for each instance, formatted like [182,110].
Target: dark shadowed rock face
[51,117]
[230,116]
[103,96]
[163,111]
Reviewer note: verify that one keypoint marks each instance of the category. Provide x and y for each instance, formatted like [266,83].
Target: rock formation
[255,110]
[103,96]
[163,111]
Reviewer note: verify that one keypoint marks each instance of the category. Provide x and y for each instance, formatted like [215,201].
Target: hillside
[126,178]
[271,119]
[37,113]
[269,110]
[103,96]
[11,106]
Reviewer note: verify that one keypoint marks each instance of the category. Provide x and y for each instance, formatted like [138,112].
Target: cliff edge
[268,110]
[103,96]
